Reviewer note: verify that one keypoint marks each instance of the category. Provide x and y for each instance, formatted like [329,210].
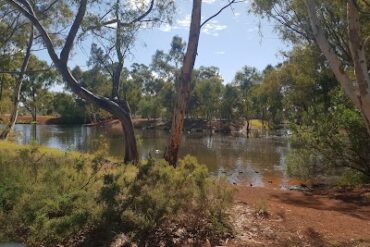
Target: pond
[254,161]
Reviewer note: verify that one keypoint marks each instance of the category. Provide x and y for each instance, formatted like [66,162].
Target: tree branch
[73,32]
[30,14]
[220,11]
[127,24]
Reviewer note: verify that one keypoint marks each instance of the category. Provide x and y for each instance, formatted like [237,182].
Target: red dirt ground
[272,217]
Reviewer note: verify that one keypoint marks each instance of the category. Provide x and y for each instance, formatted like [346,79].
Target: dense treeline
[150,90]
[302,92]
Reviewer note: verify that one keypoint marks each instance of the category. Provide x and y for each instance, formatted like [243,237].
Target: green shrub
[167,205]
[330,143]
[352,178]
[49,197]
[43,199]
[303,164]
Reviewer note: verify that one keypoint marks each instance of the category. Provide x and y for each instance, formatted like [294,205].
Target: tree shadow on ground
[312,238]
[353,202]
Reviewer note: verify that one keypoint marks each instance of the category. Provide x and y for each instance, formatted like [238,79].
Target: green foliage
[304,164]
[70,109]
[163,199]
[43,200]
[230,108]
[149,108]
[329,142]
[35,88]
[49,197]
[352,178]
[207,92]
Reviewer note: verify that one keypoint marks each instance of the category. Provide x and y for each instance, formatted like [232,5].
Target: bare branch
[220,11]
[50,6]
[126,24]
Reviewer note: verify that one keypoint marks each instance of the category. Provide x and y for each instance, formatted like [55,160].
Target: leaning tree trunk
[17,90]
[357,91]
[184,86]
[131,152]
[117,108]
[113,106]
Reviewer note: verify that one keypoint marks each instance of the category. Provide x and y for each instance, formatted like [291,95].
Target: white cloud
[209,1]
[166,28]
[220,53]
[213,28]
[185,22]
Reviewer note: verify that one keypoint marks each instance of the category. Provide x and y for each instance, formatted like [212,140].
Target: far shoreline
[191,125]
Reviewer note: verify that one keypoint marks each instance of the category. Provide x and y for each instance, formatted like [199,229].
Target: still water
[256,161]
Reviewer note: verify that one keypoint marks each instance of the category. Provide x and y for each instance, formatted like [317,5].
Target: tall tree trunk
[17,90]
[34,108]
[358,51]
[357,91]
[184,85]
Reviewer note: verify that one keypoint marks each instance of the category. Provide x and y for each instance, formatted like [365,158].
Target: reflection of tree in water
[209,141]
[239,158]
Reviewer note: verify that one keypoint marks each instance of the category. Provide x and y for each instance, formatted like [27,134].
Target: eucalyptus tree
[184,79]
[116,22]
[231,103]
[208,91]
[167,65]
[96,81]
[35,86]
[340,30]
[116,27]
[19,35]
[245,79]
[16,27]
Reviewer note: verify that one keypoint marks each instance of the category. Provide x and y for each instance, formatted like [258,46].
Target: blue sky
[233,39]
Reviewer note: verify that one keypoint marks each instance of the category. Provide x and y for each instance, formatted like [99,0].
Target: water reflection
[254,161]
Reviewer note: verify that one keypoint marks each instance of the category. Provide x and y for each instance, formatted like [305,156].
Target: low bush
[168,205]
[43,199]
[330,143]
[49,197]
[352,178]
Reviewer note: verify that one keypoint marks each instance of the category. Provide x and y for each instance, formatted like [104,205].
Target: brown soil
[272,217]
[27,119]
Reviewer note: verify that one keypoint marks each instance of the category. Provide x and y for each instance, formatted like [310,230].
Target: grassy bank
[49,197]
